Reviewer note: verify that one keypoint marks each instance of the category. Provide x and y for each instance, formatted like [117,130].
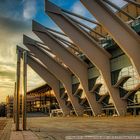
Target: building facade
[39,100]
[91,71]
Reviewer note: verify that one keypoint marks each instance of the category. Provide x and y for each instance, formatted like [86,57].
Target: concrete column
[57,69]
[14,104]
[17,104]
[77,66]
[24,91]
[123,35]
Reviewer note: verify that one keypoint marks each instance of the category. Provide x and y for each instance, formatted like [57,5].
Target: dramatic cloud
[33,79]
[12,9]
[15,20]
[64,3]
[11,36]
[79,8]
[29,10]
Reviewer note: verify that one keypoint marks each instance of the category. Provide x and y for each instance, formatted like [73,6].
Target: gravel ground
[57,128]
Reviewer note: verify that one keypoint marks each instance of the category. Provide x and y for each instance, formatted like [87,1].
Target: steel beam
[57,69]
[77,66]
[124,36]
[51,80]
[97,55]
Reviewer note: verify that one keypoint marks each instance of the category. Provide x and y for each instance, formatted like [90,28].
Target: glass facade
[120,69]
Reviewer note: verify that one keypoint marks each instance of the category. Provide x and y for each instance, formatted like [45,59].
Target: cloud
[11,9]
[12,25]
[79,8]
[4,91]
[63,3]
[18,9]
[7,73]
[11,34]
[34,80]
[29,9]
[7,62]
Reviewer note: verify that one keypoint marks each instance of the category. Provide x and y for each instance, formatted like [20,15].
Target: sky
[15,20]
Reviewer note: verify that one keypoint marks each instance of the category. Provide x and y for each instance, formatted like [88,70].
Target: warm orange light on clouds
[8,41]
[11,32]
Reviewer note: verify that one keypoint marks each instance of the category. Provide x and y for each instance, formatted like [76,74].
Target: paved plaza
[57,128]
[60,128]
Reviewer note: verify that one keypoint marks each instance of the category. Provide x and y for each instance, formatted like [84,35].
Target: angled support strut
[51,80]
[56,69]
[124,36]
[97,55]
[78,67]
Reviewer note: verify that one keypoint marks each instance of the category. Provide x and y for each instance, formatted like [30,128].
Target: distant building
[40,99]
[2,110]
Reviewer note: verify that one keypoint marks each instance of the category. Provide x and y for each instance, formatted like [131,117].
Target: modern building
[91,71]
[39,100]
